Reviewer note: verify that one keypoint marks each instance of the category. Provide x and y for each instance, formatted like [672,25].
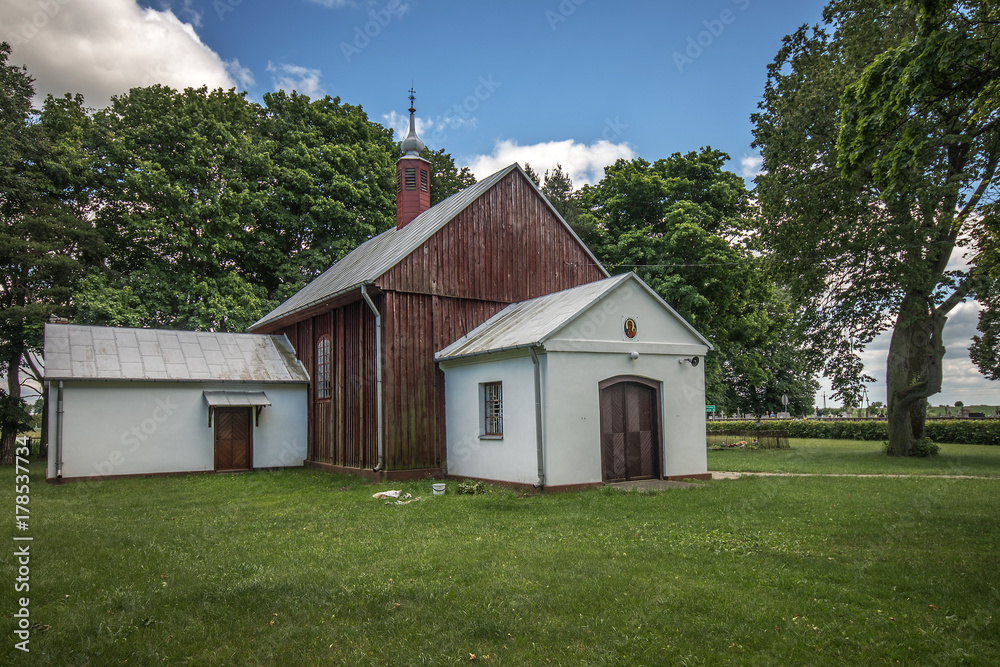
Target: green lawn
[300,567]
[852,456]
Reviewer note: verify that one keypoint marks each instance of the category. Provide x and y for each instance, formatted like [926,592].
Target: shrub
[473,487]
[957,431]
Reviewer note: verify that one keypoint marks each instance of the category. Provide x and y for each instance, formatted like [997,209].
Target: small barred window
[493,393]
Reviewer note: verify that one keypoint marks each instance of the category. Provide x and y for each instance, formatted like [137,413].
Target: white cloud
[584,163]
[430,130]
[750,165]
[242,75]
[303,80]
[102,48]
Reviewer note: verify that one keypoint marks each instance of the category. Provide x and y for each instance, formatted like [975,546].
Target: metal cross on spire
[413,96]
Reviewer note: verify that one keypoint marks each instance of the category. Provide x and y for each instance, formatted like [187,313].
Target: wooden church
[368,329]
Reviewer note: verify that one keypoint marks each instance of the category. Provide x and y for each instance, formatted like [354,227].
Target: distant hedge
[957,431]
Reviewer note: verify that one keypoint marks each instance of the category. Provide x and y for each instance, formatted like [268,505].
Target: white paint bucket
[438,489]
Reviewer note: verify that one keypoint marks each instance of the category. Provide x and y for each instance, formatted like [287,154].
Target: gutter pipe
[379,439]
[540,438]
[59,430]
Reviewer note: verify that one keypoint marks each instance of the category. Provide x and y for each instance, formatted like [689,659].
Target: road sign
[709,408]
[784,400]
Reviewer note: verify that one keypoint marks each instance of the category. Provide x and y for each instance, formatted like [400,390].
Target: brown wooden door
[233,438]
[630,440]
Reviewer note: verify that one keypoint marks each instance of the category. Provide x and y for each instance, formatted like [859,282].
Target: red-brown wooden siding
[507,246]
[342,428]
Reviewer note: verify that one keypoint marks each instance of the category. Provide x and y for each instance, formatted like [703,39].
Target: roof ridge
[399,243]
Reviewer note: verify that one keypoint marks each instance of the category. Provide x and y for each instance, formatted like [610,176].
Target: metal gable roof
[531,323]
[374,257]
[74,352]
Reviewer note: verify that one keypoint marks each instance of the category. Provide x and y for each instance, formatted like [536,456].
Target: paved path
[737,475]
[647,485]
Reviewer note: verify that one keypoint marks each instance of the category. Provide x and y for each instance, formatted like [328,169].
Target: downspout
[59,430]
[380,442]
[539,437]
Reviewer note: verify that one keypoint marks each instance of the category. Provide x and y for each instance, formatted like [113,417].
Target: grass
[300,567]
[856,457]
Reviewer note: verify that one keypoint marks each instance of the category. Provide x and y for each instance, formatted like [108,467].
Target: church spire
[413,175]
[412,143]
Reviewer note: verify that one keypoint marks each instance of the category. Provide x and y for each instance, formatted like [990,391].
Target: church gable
[507,245]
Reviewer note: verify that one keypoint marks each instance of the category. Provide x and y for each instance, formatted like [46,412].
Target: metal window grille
[494,408]
[399,181]
[323,368]
[410,178]
[424,182]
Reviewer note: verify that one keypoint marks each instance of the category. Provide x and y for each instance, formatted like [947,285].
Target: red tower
[413,176]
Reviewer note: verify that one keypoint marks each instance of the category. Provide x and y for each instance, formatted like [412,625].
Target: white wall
[573,425]
[515,457]
[576,359]
[119,428]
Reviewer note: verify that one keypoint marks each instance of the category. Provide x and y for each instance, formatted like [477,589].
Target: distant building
[145,401]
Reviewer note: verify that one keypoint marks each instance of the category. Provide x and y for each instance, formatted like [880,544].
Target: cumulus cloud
[750,165]
[102,48]
[431,130]
[242,75]
[303,80]
[584,163]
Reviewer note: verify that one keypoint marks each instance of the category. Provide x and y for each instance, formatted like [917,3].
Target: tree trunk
[9,423]
[914,371]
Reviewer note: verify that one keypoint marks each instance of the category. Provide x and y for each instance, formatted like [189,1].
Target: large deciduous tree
[45,238]
[446,177]
[215,208]
[879,160]
[680,224]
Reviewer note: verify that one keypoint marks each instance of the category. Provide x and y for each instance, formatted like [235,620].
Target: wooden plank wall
[507,247]
[417,326]
[343,428]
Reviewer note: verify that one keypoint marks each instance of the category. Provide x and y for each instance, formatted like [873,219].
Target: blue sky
[578,82]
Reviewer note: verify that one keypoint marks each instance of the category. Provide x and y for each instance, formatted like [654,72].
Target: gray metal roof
[238,399]
[531,323]
[74,352]
[377,255]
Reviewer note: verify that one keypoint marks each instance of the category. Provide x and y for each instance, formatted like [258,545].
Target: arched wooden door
[630,431]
